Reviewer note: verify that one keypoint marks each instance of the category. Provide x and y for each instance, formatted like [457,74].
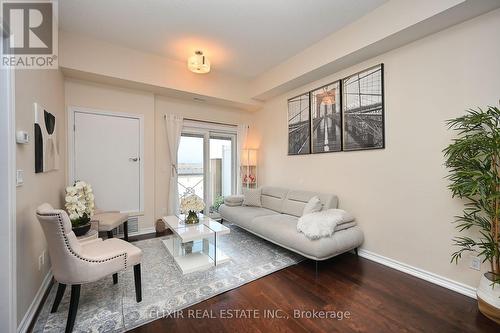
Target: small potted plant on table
[80,206]
[474,162]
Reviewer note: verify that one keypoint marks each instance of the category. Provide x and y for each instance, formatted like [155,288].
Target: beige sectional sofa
[276,221]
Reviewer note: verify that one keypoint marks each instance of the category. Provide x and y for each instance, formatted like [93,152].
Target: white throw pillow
[312,206]
[252,197]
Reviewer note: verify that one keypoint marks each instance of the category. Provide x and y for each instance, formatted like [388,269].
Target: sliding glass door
[222,173]
[207,165]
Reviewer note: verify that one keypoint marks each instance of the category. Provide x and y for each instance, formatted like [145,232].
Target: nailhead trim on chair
[66,241]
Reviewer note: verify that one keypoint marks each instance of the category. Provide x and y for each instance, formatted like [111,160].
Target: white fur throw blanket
[323,223]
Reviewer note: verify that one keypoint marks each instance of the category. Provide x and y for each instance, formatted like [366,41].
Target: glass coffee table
[194,246]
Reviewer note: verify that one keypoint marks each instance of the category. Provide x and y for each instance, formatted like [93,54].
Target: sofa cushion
[296,201]
[273,197]
[282,230]
[243,215]
[251,197]
[234,200]
[312,206]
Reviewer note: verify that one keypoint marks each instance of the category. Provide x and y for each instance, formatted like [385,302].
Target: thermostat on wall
[22,137]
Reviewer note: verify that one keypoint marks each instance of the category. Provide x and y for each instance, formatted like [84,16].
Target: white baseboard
[30,314]
[420,273]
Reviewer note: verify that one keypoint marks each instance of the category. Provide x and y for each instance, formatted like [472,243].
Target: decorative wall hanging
[363,109]
[46,145]
[299,125]
[326,119]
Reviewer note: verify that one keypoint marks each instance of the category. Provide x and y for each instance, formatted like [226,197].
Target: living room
[250,166]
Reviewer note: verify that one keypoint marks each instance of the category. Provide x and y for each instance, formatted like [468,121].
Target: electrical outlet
[475,263]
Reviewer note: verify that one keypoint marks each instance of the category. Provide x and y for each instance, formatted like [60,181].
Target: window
[207,163]
[190,165]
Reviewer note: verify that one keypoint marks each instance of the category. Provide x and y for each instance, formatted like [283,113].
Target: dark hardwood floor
[372,297]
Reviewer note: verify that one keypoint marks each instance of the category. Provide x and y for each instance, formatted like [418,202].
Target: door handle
[134,159]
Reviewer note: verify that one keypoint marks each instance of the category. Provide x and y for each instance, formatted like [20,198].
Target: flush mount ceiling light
[198,63]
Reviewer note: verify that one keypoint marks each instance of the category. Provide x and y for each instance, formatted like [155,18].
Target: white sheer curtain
[242,137]
[174,130]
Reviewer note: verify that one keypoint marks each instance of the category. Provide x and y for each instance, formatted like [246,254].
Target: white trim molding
[420,273]
[30,314]
[8,292]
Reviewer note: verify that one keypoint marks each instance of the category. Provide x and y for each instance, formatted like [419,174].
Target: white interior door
[107,154]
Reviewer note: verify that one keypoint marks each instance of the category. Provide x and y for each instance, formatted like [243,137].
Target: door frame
[71,145]
[8,273]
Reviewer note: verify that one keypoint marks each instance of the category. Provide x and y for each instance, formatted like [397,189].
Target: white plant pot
[488,298]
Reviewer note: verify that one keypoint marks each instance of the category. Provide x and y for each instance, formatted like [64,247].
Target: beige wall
[399,194]
[156,177]
[45,87]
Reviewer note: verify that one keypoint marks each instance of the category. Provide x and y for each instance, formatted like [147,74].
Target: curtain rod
[206,121]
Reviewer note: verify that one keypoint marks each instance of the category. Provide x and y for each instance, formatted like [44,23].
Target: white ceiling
[240,37]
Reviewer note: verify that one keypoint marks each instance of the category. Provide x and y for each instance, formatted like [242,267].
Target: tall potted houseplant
[473,159]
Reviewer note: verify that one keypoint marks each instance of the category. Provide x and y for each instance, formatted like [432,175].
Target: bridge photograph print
[363,109]
[299,130]
[326,120]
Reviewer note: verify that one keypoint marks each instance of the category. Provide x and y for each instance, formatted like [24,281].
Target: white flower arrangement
[192,203]
[80,203]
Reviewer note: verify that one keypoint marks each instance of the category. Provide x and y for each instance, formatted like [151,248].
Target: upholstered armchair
[75,264]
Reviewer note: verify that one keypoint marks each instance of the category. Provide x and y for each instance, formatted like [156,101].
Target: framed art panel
[298,125]
[363,110]
[46,144]
[326,119]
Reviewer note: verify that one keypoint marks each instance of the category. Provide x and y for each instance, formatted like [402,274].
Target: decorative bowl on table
[81,229]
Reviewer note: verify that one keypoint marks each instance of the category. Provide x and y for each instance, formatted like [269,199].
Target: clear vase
[192,218]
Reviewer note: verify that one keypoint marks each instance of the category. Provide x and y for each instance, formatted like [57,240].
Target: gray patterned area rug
[105,307]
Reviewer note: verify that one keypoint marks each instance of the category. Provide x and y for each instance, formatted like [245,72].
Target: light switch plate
[22,137]
[19,177]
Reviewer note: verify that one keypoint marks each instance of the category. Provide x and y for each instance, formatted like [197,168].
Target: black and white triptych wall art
[46,147]
[344,115]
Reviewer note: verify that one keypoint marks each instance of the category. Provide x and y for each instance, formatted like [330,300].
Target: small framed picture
[363,109]
[299,134]
[326,119]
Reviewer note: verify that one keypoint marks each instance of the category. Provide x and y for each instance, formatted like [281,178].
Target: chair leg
[59,295]
[356,251]
[125,230]
[137,279]
[73,307]
[115,278]
[110,234]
